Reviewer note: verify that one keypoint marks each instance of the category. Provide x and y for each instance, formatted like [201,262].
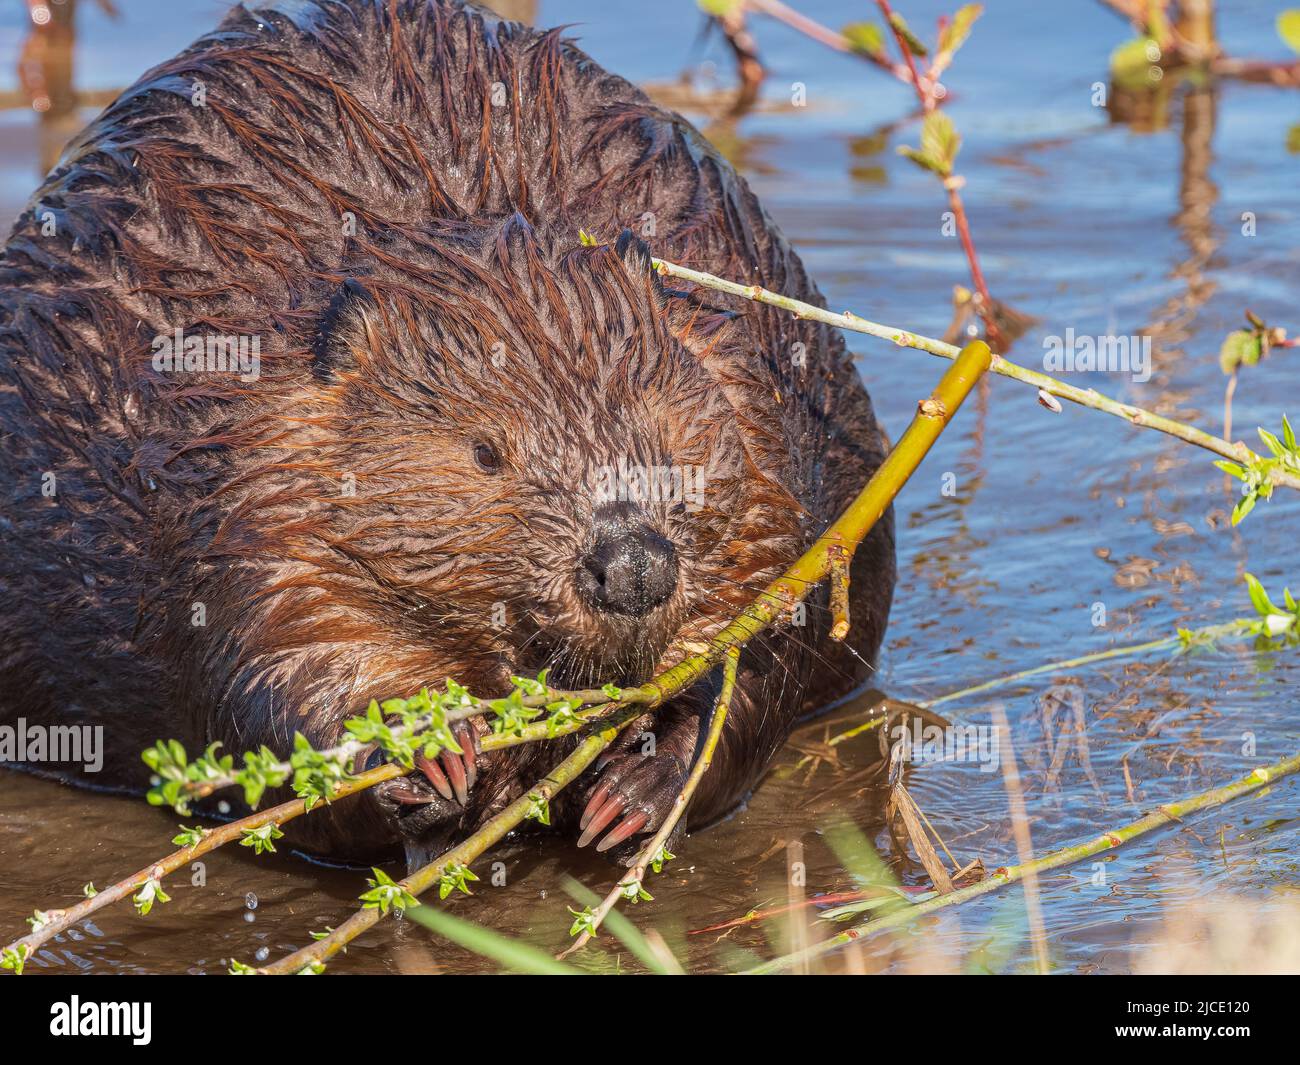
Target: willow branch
[630,885]
[1084,397]
[1209,633]
[597,702]
[491,833]
[1170,813]
[929,92]
[59,921]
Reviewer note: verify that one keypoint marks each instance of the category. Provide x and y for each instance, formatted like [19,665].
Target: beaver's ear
[348,324]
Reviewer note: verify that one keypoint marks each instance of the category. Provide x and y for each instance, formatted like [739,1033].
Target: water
[1080,222]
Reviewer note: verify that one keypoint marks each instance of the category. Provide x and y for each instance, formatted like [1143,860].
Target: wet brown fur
[486,320]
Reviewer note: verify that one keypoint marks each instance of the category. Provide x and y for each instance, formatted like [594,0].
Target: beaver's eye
[487,458]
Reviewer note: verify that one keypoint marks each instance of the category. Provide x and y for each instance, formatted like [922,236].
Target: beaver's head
[525,457]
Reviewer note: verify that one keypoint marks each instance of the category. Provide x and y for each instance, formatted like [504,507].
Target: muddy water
[1017,533]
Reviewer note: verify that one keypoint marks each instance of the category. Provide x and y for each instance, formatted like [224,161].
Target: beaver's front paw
[413,805]
[439,789]
[641,788]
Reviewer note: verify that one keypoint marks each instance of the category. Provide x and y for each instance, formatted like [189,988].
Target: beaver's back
[229,190]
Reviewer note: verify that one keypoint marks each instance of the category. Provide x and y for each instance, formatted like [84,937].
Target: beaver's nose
[630,568]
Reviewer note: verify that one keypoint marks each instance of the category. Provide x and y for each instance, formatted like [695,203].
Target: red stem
[929,101]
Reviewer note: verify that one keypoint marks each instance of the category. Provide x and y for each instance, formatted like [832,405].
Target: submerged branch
[1167,814]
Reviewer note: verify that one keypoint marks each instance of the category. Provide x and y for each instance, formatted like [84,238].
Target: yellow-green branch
[491,833]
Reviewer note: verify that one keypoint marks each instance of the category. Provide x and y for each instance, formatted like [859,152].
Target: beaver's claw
[438,791]
[640,788]
[452,773]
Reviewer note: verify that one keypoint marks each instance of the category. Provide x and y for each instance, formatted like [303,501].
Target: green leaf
[455,877]
[624,930]
[1131,63]
[1288,28]
[539,809]
[1271,442]
[385,892]
[940,143]
[939,139]
[1259,597]
[634,891]
[151,891]
[1244,506]
[511,954]
[584,920]
[260,838]
[958,29]
[914,43]
[1240,347]
[15,958]
[922,160]
[866,38]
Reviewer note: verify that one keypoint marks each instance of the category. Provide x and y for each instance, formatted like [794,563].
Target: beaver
[328,354]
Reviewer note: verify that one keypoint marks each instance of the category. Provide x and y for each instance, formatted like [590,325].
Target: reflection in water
[519,10]
[45,76]
[47,80]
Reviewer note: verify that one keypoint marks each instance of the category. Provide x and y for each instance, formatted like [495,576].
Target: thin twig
[817,32]
[929,92]
[1089,397]
[59,921]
